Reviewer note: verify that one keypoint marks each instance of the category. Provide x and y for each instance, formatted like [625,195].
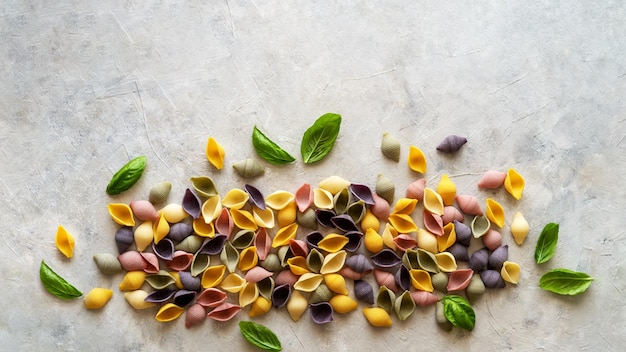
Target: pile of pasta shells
[327,248]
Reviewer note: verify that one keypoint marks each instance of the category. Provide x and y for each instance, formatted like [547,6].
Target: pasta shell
[492,279]
[373,241]
[107,263]
[498,257]
[344,223]
[495,212]
[97,298]
[402,223]
[381,208]
[446,262]
[334,184]
[492,179]
[121,214]
[159,192]
[263,243]
[261,306]
[415,189]
[386,299]
[215,153]
[279,199]
[284,253]
[459,252]
[160,280]
[427,241]
[160,228]
[390,147]
[195,314]
[404,242]
[321,294]
[257,274]
[475,288]
[266,287]
[180,261]
[192,204]
[404,305]
[224,312]
[370,221]
[423,298]
[307,219]
[463,233]
[480,226]
[385,188]
[202,229]
[450,214]
[403,278]
[332,243]
[248,294]
[405,206]
[136,299]
[199,263]
[427,261]
[308,282]
[355,239]
[297,305]
[213,246]
[433,201]
[188,281]
[304,197]
[224,224]
[232,283]
[492,239]
[417,160]
[433,223]
[243,219]
[440,317]
[446,189]
[386,279]
[448,239]
[286,277]
[164,249]
[479,260]
[204,186]
[468,204]
[333,262]
[190,244]
[65,242]
[284,235]
[183,297]
[297,265]
[132,261]
[249,168]
[298,248]
[169,312]
[459,279]
[143,210]
[361,192]
[324,217]
[133,280]
[451,143]
[287,215]
[519,228]
[212,209]
[248,259]
[322,199]
[363,291]
[514,183]
[212,276]
[235,199]
[377,317]
[421,280]
[229,257]
[271,262]
[152,262]
[386,258]
[510,272]
[315,260]
[343,304]
[281,295]
[341,201]
[179,231]
[359,263]
[440,281]
[336,283]
[409,259]
[243,239]
[256,197]
[124,238]
[356,211]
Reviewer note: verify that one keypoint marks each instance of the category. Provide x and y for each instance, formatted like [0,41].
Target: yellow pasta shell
[377,316]
[417,160]
[336,283]
[427,241]
[333,242]
[201,228]
[212,208]
[333,262]
[514,183]
[421,280]
[308,282]
[446,189]
[235,199]
[169,312]
[343,303]
[284,235]
[64,241]
[389,233]
[212,276]
[177,282]
[260,307]
[243,219]
[144,235]
[97,298]
[174,213]
[279,199]
[298,265]
[248,294]
[263,218]
[405,206]
[446,262]
[373,241]
[370,221]
[297,305]
[495,212]
[137,299]
[160,228]
[132,280]
[215,153]
[510,272]
[402,223]
[248,258]
[232,283]
[519,228]
[323,199]
[433,201]
[449,237]
[287,215]
[121,214]
[334,184]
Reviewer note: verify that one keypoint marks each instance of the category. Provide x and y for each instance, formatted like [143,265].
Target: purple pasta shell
[344,223]
[192,204]
[189,281]
[179,231]
[164,249]
[213,246]
[459,252]
[184,297]
[313,238]
[451,144]
[362,192]
[492,279]
[359,263]
[463,233]
[324,217]
[124,237]
[281,295]
[321,312]
[256,197]
[363,291]
[403,278]
[479,259]
[160,296]
[355,239]
[498,257]
[386,258]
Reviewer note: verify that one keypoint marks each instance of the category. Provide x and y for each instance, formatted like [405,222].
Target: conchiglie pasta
[65,242]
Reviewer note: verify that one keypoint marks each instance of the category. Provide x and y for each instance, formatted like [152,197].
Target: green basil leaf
[127,176]
[565,282]
[459,312]
[55,284]
[269,150]
[260,336]
[319,139]
[546,244]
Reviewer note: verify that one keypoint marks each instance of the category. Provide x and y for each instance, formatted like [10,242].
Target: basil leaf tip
[127,176]
[268,150]
[55,284]
[459,312]
[260,336]
[546,243]
[319,139]
[565,282]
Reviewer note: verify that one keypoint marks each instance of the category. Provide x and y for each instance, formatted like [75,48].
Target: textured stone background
[538,86]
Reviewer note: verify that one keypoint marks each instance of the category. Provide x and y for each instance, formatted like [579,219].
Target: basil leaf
[546,244]
[55,284]
[260,336]
[565,282]
[127,176]
[319,139]
[459,312]
[269,150]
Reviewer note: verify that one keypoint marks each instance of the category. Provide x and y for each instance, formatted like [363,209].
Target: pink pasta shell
[304,197]
[195,314]
[211,297]
[450,214]
[298,247]
[384,278]
[132,261]
[152,263]
[492,179]
[263,243]
[404,242]
[224,312]
[424,298]
[257,274]
[468,204]
[381,208]
[459,279]
[224,223]
[492,239]
[349,273]
[144,210]
[415,190]
[180,261]
[286,277]
[433,223]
